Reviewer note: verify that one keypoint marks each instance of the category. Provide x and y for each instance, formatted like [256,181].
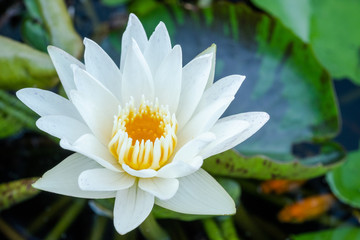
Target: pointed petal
[202,121]
[159,187]
[134,30]
[212,50]
[158,48]
[45,103]
[62,61]
[102,179]
[227,136]
[90,146]
[63,178]
[223,88]
[137,78]
[193,147]
[132,206]
[167,81]
[194,77]
[180,168]
[98,112]
[255,120]
[102,67]
[62,127]
[199,193]
[143,173]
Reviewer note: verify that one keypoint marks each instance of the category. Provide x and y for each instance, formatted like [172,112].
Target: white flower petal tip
[132,206]
[63,178]
[161,188]
[200,193]
[102,179]
[144,173]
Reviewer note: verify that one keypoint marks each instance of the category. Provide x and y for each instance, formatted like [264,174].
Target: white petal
[62,127]
[194,78]
[62,61]
[167,81]
[227,136]
[143,173]
[102,67]
[97,113]
[63,178]
[180,168]
[223,88]
[134,30]
[212,50]
[137,78]
[158,48]
[160,187]
[193,147]
[199,193]
[255,120]
[90,146]
[202,121]
[45,103]
[102,179]
[132,206]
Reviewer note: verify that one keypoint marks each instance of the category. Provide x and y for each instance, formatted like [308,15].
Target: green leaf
[348,233]
[14,115]
[330,27]
[22,66]
[284,78]
[32,29]
[112,3]
[16,191]
[344,181]
[59,26]
[233,164]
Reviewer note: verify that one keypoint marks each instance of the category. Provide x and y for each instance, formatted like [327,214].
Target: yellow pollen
[143,138]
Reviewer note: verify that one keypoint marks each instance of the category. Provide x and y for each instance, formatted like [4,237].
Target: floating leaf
[233,164]
[22,66]
[348,233]
[15,192]
[344,181]
[330,27]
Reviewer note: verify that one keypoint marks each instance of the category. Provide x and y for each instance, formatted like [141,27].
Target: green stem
[227,227]
[98,229]
[9,232]
[212,230]
[66,220]
[151,230]
[49,214]
[244,221]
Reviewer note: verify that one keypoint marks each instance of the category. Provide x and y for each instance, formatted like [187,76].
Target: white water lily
[141,131]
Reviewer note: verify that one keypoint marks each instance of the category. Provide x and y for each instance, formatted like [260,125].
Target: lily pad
[344,181]
[284,79]
[233,164]
[348,233]
[330,27]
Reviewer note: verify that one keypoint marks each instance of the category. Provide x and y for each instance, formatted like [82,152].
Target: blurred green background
[302,62]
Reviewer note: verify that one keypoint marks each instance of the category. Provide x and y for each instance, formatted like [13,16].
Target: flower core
[143,138]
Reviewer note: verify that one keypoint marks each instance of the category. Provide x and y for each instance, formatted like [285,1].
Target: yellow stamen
[143,138]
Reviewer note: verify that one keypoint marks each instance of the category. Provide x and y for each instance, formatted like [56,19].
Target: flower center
[143,138]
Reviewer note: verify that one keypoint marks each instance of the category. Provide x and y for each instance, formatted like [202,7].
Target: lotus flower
[141,131]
